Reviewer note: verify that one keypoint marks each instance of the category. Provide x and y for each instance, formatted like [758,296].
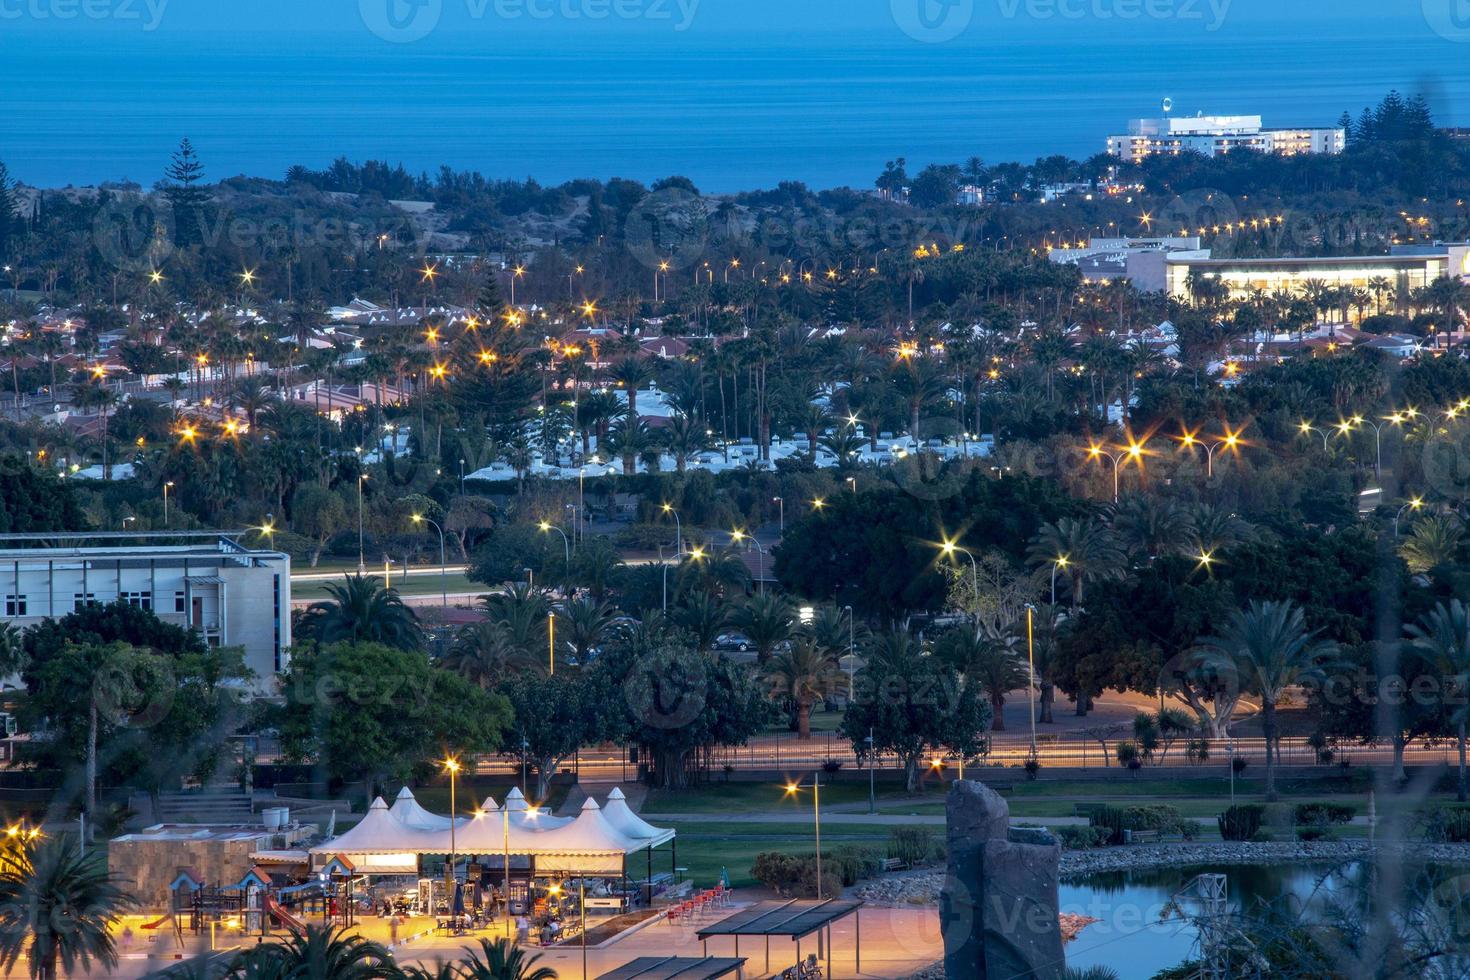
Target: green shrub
[852,863]
[1241,822]
[911,845]
[1112,821]
[1322,814]
[1312,833]
[1108,822]
[1447,825]
[1079,838]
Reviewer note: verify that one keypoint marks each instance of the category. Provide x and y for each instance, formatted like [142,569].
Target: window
[139,600]
[80,599]
[178,602]
[15,605]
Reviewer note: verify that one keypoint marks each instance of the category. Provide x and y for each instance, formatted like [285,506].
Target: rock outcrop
[999,907]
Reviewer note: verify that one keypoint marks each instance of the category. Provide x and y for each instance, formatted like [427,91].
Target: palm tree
[58,908]
[1151,526]
[631,374]
[321,952]
[843,443]
[501,959]
[702,616]
[588,623]
[361,610]
[629,438]
[802,673]
[522,611]
[1441,638]
[768,621]
[1434,541]
[988,660]
[920,382]
[485,654]
[685,436]
[1083,550]
[1270,648]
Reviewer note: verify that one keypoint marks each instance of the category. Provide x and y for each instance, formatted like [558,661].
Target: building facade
[1213,136]
[1402,270]
[233,595]
[1139,260]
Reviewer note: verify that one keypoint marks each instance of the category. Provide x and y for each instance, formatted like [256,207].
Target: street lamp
[166,488]
[443,561]
[740,537]
[950,548]
[1134,453]
[551,640]
[1062,562]
[1230,441]
[361,554]
[1031,670]
[453,767]
[678,526]
[1306,428]
[791,790]
[547,527]
[1415,505]
[781,503]
[851,654]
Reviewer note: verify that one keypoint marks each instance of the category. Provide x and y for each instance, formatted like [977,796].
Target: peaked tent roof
[407,811]
[379,832]
[620,815]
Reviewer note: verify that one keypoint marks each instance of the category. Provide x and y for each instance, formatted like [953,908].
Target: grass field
[760,797]
[706,848]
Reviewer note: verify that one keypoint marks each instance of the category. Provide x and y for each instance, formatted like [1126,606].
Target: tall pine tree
[9,221]
[186,195]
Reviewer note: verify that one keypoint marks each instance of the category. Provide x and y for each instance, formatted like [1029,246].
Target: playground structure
[256,903]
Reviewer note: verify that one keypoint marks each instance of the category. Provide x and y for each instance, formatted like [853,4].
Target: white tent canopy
[594,840]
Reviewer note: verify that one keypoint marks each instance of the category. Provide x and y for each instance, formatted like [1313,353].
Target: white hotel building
[233,595]
[1216,135]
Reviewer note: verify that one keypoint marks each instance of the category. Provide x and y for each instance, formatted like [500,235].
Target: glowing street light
[443,561]
[1231,441]
[792,789]
[1415,504]
[1133,453]
[678,527]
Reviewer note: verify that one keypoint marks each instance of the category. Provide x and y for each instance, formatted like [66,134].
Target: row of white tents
[390,840]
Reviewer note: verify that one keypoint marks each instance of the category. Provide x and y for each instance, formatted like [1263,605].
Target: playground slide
[283,917]
[157,923]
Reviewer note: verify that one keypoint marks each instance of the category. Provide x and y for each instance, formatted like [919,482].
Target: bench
[1141,837]
[893,864]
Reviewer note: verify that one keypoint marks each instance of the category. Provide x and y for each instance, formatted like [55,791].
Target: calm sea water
[731,111]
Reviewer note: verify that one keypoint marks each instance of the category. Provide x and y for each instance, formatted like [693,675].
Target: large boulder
[999,907]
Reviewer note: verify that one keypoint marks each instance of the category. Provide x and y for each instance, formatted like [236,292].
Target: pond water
[1132,939]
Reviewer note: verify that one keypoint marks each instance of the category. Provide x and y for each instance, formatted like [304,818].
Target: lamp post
[678,527]
[872,780]
[461,478]
[166,488]
[781,503]
[1414,505]
[851,653]
[361,554]
[1062,562]
[1031,670]
[546,528]
[1307,427]
[791,790]
[1231,442]
[443,561]
[740,537]
[1134,453]
[950,548]
[551,640]
[452,765]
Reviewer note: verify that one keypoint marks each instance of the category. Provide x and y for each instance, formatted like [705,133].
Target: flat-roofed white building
[1139,260]
[233,595]
[1404,269]
[1216,135]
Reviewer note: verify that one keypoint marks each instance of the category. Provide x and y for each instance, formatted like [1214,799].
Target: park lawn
[410,585]
[762,797]
[706,848]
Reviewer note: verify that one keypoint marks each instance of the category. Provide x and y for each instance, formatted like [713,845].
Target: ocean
[733,111]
